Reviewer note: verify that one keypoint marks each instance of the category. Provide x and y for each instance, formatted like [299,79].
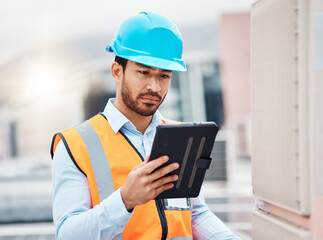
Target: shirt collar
[117,120]
[156,120]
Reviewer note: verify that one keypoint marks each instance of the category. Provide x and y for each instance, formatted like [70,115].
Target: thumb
[147,158]
[144,162]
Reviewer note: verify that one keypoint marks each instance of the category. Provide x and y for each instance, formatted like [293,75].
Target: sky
[33,23]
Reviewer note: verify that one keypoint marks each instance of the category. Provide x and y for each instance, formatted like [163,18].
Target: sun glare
[42,81]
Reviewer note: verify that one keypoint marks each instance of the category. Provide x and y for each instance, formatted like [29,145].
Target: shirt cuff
[116,210]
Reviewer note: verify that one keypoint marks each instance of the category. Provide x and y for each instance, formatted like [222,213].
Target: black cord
[162,217]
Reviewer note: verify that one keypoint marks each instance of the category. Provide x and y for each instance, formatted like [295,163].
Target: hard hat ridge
[150,39]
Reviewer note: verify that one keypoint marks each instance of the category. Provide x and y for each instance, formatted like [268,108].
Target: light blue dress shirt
[72,213]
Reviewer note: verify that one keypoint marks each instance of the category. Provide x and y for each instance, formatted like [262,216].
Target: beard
[134,104]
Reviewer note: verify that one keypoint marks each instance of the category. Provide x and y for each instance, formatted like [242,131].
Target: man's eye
[143,72]
[164,76]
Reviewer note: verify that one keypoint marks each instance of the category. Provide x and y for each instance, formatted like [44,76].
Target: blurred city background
[55,73]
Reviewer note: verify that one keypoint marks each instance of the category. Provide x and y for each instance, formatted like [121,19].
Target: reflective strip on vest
[180,238]
[99,154]
[119,237]
[101,169]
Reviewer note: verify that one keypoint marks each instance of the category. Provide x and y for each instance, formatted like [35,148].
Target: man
[103,186]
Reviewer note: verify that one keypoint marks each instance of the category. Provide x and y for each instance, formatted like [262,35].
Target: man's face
[144,88]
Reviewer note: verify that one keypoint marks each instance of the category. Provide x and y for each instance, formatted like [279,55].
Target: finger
[163,188]
[163,171]
[165,180]
[152,165]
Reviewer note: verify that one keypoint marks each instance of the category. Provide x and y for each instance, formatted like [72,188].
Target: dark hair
[122,62]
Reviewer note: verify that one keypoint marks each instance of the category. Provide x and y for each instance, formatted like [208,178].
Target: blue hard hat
[150,39]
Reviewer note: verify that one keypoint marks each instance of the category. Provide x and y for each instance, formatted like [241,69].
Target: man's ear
[116,71]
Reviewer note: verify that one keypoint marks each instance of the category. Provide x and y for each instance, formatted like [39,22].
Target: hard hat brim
[176,65]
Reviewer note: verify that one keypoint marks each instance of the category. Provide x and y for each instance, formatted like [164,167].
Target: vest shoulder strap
[86,151]
[169,121]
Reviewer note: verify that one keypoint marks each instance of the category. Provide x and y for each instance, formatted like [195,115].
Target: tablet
[190,145]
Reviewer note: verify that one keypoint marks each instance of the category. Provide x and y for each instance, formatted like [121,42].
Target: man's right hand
[144,184]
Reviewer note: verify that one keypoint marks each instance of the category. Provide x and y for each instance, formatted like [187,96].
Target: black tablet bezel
[183,144]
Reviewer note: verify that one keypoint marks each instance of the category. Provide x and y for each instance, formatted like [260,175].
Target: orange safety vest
[106,159]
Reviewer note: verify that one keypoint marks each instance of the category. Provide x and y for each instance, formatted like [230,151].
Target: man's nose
[153,84]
